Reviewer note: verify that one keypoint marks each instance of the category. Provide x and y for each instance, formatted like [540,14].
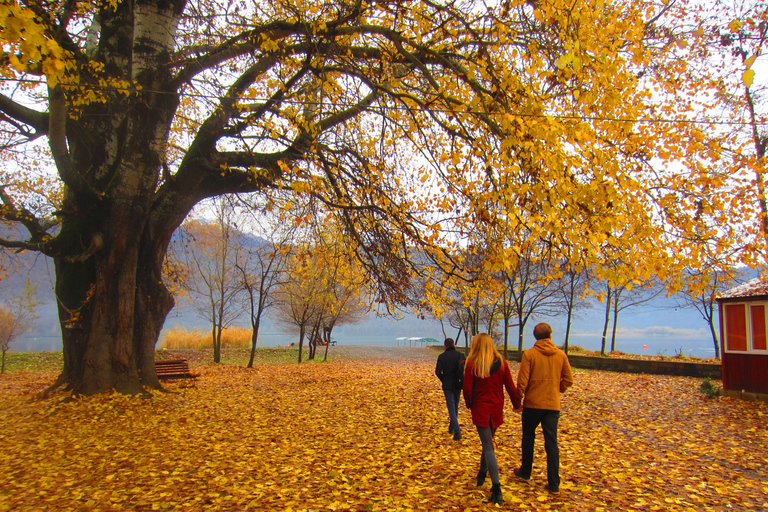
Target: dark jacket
[447,368]
[485,397]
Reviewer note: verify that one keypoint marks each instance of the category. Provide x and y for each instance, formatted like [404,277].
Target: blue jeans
[452,397]
[548,420]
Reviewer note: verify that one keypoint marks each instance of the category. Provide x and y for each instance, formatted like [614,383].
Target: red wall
[748,372]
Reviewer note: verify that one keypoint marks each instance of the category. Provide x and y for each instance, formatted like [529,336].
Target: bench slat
[173,369]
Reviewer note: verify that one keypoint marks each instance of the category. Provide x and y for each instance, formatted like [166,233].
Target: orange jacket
[544,373]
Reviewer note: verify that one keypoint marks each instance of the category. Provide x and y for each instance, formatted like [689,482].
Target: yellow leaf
[748,77]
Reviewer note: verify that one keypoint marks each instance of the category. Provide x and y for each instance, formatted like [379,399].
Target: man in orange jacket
[544,373]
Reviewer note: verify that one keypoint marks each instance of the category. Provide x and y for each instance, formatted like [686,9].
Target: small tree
[572,286]
[324,288]
[624,296]
[299,296]
[212,252]
[16,318]
[263,268]
[700,295]
[529,290]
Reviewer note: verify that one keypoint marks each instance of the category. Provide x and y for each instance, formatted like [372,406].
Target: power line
[565,117]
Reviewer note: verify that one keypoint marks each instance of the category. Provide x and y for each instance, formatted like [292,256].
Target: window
[745,327]
[735,327]
[757,313]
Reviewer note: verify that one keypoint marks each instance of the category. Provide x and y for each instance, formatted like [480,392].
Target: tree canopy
[419,125]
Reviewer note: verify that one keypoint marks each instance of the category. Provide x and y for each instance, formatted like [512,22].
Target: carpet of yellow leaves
[369,435]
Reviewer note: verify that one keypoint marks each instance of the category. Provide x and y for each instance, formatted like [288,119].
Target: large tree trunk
[112,307]
[115,227]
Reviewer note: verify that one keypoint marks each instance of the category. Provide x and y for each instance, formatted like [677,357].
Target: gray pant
[488,457]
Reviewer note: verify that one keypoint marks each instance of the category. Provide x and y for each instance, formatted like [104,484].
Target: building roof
[757,287]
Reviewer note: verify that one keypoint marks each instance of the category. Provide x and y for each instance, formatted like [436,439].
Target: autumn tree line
[237,262]
[440,139]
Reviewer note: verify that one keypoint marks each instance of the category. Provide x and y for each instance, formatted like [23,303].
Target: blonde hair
[483,353]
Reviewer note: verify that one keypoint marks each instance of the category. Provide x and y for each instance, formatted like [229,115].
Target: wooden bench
[173,369]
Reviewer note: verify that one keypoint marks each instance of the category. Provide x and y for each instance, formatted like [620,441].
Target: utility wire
[565,117]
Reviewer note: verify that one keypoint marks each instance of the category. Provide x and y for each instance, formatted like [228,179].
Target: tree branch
[241,44]
[9,211]
[57,137]
[25,115]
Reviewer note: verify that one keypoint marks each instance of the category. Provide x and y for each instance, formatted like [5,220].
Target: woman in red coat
[486,374]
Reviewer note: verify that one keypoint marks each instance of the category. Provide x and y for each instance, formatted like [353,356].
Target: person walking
[544,373]
[448,371]
[486,374]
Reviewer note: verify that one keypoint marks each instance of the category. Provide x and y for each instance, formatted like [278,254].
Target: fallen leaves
[370,435]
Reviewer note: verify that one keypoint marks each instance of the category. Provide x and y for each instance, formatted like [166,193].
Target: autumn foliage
[368,434]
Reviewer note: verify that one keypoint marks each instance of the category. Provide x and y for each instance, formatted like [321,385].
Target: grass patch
[53,361]
[267,355]
[236,356]
[33,362]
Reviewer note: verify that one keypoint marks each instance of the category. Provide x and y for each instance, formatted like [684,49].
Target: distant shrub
[709,389]
[180,338]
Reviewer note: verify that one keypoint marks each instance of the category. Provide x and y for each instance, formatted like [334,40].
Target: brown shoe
[520,475]
[553,490]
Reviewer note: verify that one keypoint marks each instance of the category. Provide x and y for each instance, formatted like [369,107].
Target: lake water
[691,343]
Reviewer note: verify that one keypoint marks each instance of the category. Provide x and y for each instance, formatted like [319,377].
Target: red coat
[485,397]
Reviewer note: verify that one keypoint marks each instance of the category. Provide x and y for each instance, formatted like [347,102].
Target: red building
[743,323]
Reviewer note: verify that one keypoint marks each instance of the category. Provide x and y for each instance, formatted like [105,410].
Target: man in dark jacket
[448,371]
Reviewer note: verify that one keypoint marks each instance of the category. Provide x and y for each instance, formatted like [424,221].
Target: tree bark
[111,307]
[569,319]
[608,305]
[714,338]
[254,339]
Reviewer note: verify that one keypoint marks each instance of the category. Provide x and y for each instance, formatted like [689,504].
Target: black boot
[496,495]
[481,477]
